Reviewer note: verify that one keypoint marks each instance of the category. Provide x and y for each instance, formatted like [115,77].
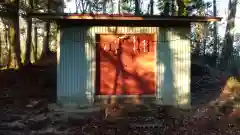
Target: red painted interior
[124,68]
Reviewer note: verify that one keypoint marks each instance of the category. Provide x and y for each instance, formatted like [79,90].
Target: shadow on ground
[205,85]
[30,82]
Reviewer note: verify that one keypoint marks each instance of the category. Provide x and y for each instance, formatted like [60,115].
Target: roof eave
[121,20]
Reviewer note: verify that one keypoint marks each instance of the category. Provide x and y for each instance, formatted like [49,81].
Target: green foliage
[160,5]
[127,6]
[188,6]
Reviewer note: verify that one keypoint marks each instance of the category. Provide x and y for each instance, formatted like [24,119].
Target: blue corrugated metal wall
[72,68]
[76,68]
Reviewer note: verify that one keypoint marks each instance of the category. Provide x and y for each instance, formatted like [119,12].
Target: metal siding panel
[90,54]
[72,68]
[60,85]
[181,61]
[173,66]
[162,86]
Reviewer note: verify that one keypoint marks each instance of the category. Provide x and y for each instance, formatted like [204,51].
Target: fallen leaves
[157,121]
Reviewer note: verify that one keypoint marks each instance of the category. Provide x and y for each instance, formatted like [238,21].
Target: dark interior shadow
[164,56]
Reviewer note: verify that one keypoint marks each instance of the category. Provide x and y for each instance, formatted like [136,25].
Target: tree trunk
[77,7]
[181,6]
[112,6]
[29,42]
[17,49]
[173,8]
[137,7]
[197,50]
[0,50]
[166,9]
[104,7]
[215,45]
[46,50]
[227,51]
[151,7]
[8,43]
[11,53]
[119,6]
[29,38]
[35,42]
[16,42]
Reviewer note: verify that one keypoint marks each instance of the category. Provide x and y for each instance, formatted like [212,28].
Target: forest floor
[25,96]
